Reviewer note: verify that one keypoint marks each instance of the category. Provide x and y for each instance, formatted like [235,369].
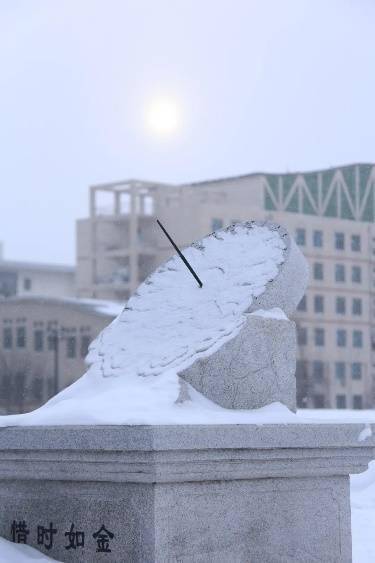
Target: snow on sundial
[169,320]
[167,325]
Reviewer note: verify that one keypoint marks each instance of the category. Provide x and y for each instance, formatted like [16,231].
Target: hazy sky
[269,85]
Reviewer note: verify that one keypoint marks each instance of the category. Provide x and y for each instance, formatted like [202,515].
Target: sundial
[176,335]
[170,319]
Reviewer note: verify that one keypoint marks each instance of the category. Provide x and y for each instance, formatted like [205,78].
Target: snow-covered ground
[19,553]
[362,492]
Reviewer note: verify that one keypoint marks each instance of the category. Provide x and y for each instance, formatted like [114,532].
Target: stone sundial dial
[207,335]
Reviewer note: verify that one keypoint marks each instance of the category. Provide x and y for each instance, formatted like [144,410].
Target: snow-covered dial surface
[169,320]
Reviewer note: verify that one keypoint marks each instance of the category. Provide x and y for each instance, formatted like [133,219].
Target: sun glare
[163,116]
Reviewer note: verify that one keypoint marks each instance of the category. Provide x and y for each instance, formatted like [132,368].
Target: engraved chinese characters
[74,538]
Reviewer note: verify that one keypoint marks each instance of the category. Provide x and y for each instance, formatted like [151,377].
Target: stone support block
[253,369]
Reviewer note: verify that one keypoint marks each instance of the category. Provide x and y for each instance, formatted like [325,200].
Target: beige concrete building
[331,213]
[30,278]
[43,344]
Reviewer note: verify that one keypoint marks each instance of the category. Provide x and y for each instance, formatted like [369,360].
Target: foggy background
[261,86]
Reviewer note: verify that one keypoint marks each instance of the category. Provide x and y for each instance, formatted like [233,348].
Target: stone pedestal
[225,493]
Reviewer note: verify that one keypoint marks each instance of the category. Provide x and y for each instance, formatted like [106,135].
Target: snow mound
[19,553]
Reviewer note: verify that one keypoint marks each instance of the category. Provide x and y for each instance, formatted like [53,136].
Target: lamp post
[54,337]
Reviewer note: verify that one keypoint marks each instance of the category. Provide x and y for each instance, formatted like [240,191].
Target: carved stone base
[244,493]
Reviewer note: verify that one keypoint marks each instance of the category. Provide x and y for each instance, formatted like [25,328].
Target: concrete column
[133,239]
[92,202]
[93,248]
[118,203]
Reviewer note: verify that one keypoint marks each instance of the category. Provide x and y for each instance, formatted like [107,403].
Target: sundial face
[170,320]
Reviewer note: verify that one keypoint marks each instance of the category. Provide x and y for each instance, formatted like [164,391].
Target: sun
[163,116]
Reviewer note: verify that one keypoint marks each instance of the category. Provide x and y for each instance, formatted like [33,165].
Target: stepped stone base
[223,493]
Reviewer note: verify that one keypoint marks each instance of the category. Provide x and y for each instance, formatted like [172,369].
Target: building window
[318,271]
[356,274]
[52,341]
[7,338]
[340,402]
[318,371]
[37,388]
[71,347]
[340,372]
[6,388]
[8,284]
[340,305]
[339,241]
[357,306]
[341,338]
[21,336]
[319,336]
[319,304]
[19,384]
[85,343]
[216,224]
[302,305]
[318,401]
[301,237]
[141,234]
[38,340]
[318,239]
[357,402]
[356,370]
[357,339]
[339,272]
[356,243]
[50,387]
[302,335]
[27,284]
[301,369]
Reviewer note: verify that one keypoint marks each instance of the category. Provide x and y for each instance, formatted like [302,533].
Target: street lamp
[54,337]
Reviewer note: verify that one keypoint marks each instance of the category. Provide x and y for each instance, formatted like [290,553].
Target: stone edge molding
[161,454]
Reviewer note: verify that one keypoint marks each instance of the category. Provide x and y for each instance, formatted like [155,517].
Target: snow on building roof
[97,306]
[35,266]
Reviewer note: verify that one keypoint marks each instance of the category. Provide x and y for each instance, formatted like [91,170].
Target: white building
[30,278]
[331,213]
